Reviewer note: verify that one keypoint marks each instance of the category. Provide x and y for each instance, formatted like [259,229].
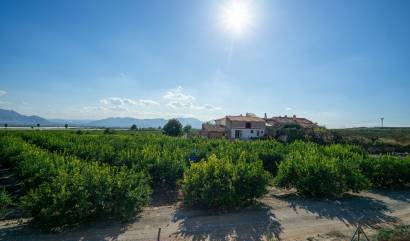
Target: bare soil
[279,215]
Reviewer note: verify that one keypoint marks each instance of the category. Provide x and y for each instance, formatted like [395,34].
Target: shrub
[164,166]
[85,193]
[387,171]
[397,233]
[61,191]
[320,173]
[218,183]
[130,192]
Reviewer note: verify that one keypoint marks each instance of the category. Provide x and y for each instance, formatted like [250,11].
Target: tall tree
[133,127]
[173,128]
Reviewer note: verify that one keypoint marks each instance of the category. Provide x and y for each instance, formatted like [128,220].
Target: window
[248,125]
[251,131]
[257,133]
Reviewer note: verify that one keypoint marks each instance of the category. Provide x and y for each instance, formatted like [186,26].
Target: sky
[340,63]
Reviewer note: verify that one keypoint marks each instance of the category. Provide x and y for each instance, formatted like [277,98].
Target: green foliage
[70,178]
[218,183]
[397,233]
[376,140]
[321,172]
[187,129]
[108,131]
[134,127]
[85,193]
[173,128]
[387,171]
[61,191]
[164,166]
[290,133]
[5,201]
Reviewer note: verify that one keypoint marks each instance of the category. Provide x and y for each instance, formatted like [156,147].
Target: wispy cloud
[171,103]
[288,108]
[123,104]
[178,100]
[3,92]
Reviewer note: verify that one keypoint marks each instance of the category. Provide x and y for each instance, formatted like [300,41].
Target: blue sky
[339,63]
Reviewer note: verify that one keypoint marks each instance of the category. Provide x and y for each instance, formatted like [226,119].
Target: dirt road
[279,215]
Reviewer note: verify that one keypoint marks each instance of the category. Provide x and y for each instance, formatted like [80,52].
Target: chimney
[294,116]
[266,116]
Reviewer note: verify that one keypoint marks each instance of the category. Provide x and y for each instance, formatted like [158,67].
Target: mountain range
[12,118]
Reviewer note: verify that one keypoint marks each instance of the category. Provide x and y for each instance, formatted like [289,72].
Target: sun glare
[237,16]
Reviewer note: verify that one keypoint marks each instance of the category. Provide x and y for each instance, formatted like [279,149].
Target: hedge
[219,183]
[321,172]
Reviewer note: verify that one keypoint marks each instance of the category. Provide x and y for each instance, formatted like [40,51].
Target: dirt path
[279,215]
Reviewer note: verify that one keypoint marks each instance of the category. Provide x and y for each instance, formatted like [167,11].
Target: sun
[237,16]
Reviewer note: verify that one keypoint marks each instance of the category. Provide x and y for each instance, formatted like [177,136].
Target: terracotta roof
[217,128]
[275,121]
[245,118]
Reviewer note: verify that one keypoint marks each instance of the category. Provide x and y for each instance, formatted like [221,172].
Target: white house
[243,127]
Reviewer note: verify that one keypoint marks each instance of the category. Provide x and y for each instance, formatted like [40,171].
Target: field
[61,181]
[399,135]
[376,140]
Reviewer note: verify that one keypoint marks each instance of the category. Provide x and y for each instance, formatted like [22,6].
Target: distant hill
[141,123]
[127,122]
[13,118]
[195,123]
[72,122]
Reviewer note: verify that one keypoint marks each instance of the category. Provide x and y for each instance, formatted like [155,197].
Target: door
[238,134]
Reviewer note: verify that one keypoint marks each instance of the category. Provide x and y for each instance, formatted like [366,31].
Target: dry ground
[279,215]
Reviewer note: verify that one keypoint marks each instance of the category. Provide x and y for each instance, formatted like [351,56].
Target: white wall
[247,133]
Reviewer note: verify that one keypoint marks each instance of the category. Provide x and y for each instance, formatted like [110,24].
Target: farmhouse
[236,127]
[250,126]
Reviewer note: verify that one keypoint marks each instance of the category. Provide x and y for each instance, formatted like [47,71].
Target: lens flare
[237,16]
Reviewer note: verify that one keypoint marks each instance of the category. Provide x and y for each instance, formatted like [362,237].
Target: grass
[391,135]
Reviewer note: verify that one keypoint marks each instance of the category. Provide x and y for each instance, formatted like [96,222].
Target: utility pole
[382,120]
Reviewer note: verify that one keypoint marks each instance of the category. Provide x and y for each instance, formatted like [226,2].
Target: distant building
[285,120]
[213,131]
[236,127]
[250,126]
